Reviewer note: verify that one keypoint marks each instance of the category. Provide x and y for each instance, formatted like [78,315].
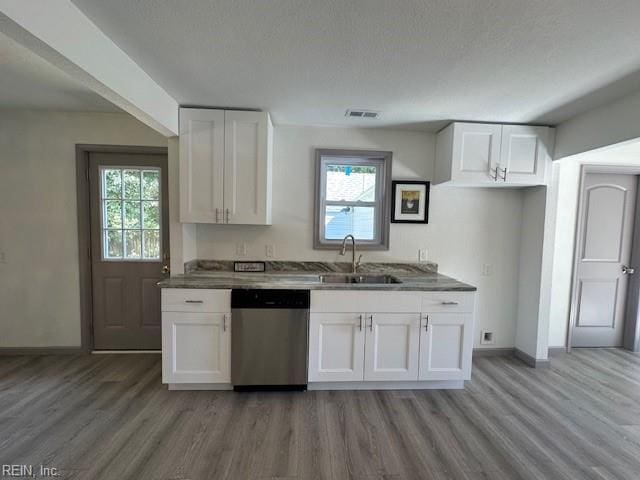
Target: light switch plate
[487,270]
[270,250]
[423,254]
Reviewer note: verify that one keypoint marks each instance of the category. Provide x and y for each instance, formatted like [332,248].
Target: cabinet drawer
[448,302]
[196,300]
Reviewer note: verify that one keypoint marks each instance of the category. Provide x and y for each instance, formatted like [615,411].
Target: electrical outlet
[241,249]
[270,250]
[486,337]
[423,254]
[487,270]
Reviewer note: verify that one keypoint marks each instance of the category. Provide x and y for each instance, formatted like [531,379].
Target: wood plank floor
[108,417]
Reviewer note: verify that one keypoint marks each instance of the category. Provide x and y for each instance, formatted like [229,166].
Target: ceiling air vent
[362,113]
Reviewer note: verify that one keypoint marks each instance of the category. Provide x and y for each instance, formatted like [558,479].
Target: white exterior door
[607,208]
[391,351]
[336,347]
[523,154]
[445,346]
[247,170]
[475,152]
[201,165]
[196,347]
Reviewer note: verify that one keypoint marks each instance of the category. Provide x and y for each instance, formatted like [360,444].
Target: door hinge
[86,173]
[89,253]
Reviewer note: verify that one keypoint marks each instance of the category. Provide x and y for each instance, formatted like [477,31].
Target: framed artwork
[410,201]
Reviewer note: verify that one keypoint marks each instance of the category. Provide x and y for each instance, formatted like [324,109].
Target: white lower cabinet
[196,343]
[400,346]
[391,346]
[446,341]
[336,347]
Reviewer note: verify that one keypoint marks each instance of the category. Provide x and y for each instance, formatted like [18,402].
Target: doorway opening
[123,233]
[604,293]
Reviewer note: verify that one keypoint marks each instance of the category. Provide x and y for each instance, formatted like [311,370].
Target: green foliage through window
[130,213]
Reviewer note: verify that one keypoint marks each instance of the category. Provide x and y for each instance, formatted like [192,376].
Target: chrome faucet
[354,264]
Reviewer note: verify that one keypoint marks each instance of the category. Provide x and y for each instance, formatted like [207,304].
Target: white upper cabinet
[201,165]
[523,154]
[247,168]
[476,154]
[225,166]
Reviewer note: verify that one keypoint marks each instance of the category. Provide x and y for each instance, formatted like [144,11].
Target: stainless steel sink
[368,279]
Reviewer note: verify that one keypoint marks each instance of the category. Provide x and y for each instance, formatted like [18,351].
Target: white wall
[39,289]
[530,271]
[567,209]
[609,124]
[467,227]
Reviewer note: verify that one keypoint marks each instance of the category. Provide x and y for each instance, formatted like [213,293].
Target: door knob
[165,269]
[628,271]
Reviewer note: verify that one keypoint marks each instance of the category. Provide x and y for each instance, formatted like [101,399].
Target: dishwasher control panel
[270,298]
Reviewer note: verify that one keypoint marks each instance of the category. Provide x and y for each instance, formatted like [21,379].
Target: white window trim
[383,196]
[102,216]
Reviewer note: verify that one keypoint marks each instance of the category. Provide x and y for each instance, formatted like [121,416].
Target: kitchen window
[352,197]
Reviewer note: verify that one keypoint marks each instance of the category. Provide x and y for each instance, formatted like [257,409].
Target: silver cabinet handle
[227,215]
[628,270]
[426,323]
[224,322]
[493,173]
[361,322]
[371,324]
[217,215]
[504,173]
[193,301]
[449,303]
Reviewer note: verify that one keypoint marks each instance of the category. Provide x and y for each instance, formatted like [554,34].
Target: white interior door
[336,347]
[607,206]
[391,347]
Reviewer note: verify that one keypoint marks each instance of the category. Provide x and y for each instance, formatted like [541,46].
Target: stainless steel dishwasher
[269,339]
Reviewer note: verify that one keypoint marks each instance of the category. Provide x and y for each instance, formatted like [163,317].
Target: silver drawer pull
[449,303]
[193,301]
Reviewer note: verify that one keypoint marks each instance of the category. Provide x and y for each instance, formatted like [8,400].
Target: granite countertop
[426,281]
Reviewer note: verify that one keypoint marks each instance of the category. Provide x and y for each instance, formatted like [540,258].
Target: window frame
[103,230]
[383,195]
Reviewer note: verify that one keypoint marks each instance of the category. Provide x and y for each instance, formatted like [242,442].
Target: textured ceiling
[420,62]
[28,81]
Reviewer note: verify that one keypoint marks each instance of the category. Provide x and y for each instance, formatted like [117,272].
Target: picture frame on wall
[410,201]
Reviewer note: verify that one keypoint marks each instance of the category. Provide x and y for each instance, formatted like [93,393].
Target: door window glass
[130,205]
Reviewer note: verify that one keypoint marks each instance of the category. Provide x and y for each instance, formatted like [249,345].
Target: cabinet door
[391,351]
[196,347]
[445,346]
[336,347]
[475,152]
[201,165]
[523,154]
[247,168]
